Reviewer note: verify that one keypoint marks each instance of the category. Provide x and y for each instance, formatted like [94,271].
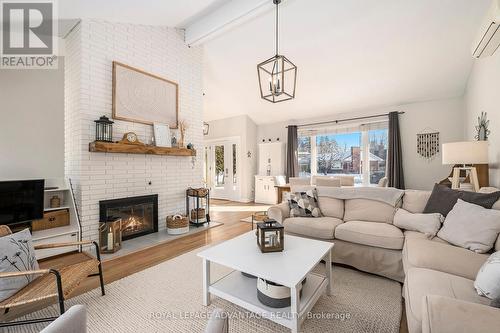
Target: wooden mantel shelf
[115,147]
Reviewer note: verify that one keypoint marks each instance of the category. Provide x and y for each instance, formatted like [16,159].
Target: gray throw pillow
[304,204]
[443,199]
[16,254]
[471,226]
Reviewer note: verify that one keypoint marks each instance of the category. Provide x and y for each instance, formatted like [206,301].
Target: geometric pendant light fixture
[277,75]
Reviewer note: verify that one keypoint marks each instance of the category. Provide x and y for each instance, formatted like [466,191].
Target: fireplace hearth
[139,215]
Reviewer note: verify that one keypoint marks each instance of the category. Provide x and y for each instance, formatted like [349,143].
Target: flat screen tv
[21,200]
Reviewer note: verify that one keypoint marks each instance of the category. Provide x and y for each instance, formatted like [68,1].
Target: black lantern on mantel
[104,129]
[270,236]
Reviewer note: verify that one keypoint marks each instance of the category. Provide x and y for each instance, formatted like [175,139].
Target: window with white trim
[344,150]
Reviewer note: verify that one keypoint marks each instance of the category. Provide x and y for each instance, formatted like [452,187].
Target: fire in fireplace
[139,215]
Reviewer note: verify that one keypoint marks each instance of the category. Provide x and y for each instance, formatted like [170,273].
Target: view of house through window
[343,154]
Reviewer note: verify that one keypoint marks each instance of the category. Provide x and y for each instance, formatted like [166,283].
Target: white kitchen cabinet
[265,190]
[272,159]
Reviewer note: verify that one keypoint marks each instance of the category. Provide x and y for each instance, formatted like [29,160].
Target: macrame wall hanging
[428,144]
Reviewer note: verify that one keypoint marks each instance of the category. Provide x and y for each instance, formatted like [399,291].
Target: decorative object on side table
[198,205]
[465,153]
[482,127]
[104,129]
[270,236]
[110,235]
[177,224]
[162,135]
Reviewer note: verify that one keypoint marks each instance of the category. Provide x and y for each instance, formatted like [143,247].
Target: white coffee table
[288,268]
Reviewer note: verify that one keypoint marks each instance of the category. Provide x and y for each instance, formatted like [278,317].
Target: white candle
[111,242]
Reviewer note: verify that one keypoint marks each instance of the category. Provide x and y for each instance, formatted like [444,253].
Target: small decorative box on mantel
[270,236]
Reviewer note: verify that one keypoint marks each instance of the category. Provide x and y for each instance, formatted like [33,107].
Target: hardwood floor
[227,212]
[121,267]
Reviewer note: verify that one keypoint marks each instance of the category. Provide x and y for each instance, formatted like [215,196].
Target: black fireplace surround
[139,214]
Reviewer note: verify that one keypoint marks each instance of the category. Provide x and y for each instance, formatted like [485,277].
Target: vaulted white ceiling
[351,55]
[173,13]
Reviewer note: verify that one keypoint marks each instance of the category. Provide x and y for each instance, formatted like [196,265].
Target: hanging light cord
[277,25]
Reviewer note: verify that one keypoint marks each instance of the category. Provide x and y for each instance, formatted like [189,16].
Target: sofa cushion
[448,315]
[318,227]
[381,235]
[368,210]
[414,201]
[471,226]
[331,207]
[375,260]
[415,234]
[420,282]
[421,253]
[328,182]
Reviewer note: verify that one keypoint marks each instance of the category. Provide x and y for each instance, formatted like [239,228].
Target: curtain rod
[347,119]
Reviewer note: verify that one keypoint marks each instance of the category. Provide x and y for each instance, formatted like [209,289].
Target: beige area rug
[167,298]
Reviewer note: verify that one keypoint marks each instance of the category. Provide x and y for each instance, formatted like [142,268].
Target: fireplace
[139,214]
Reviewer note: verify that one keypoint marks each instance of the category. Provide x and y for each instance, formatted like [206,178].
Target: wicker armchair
[52,285]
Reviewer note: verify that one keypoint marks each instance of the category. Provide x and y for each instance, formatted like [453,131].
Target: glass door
[221,161]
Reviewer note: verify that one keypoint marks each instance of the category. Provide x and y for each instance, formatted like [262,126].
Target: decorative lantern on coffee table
[270,236]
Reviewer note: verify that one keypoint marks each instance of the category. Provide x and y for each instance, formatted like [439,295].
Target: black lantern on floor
[270,236]
[104,129]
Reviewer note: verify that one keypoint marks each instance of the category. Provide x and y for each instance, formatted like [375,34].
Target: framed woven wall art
[428,145]
[144,98]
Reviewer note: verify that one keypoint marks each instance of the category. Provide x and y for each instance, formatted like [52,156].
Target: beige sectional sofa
[438,277]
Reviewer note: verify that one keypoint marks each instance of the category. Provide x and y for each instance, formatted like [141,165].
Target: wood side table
[282,189]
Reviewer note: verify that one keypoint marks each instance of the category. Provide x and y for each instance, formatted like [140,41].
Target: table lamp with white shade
[466,153]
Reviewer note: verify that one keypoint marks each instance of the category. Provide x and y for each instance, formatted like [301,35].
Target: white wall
[445,116]
[273,132]
[483,95]
[32,123]
[90,50]
[244,128]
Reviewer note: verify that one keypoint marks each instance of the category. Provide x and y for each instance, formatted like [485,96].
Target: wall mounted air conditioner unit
[488,39]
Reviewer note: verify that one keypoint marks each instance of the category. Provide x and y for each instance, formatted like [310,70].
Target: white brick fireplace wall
[91,48]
